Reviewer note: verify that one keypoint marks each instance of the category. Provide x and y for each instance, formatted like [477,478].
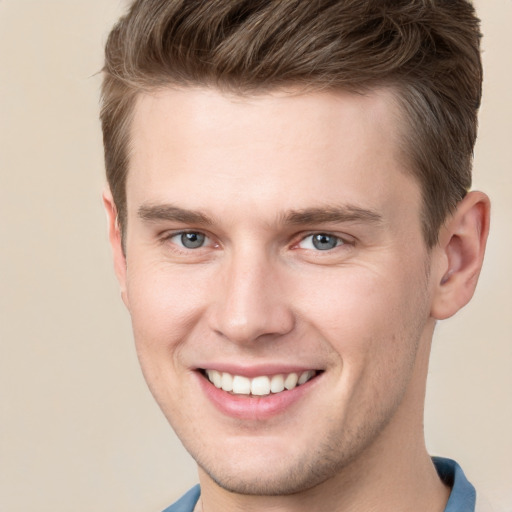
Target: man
[289,216]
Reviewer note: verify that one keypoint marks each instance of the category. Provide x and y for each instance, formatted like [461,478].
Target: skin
[259,296]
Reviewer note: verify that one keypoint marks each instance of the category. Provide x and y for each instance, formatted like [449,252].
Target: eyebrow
[173,214]
[346,213]
[332,214]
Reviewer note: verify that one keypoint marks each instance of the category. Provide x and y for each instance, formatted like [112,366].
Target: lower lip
[246,407]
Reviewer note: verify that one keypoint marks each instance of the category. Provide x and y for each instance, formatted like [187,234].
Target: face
[277,280]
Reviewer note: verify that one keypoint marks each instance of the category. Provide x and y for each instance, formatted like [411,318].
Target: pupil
[324,242]
[192,240]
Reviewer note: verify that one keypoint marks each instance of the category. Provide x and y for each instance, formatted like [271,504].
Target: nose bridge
[250,301]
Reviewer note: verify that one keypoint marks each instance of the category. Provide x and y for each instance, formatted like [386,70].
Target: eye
[320,242]
[189,239]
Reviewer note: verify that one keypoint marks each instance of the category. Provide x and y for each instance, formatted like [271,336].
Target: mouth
[259,386]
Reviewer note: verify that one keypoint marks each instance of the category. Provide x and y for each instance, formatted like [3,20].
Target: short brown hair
[427,51]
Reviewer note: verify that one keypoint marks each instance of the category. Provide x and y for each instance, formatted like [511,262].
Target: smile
[258,386]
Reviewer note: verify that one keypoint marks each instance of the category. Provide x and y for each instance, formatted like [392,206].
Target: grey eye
[192,240]
[324,242]
[320,242]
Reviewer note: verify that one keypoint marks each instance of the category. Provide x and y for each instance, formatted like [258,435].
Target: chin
[268,482]
[277,475]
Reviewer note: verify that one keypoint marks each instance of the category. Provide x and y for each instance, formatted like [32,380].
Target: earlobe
[461,248]
[116,242]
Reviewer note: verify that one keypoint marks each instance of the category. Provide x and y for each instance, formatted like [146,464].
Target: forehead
[287,148]
[191,115]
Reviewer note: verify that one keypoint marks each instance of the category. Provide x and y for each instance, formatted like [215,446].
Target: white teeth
[304,377]
[277,384]
[241,385]
[291,381]
[227,382]
[258,386]
[215,377]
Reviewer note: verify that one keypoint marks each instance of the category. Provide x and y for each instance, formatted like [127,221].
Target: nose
[251,302]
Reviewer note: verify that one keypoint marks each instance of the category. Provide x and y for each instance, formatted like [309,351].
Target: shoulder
[187,502]
[463,494]
[463,497]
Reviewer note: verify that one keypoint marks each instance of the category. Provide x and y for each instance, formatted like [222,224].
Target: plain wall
[78,429]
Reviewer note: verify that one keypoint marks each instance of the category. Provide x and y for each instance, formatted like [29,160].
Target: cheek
[166,308]
[165,304]
[373,324]
[367,314]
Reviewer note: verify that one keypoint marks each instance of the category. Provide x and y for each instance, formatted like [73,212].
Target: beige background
[78,429]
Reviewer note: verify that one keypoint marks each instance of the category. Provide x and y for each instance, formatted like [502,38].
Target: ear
[461,249]
[116,242]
